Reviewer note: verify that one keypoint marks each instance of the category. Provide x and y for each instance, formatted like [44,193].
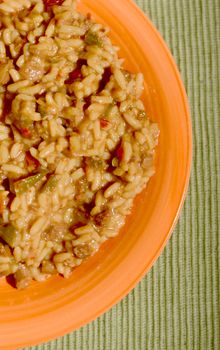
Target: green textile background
[176,306]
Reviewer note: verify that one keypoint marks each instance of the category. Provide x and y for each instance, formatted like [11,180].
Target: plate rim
[145,267]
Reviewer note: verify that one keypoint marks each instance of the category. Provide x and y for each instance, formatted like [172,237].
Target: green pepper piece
[51,184]
[108,109]
[10,235]
[92,38]
[24,185]
[96,162]
[115,162]
[118,172]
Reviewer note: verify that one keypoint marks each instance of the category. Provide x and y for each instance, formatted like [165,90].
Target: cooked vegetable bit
[108,109]
[51,183]
[93,38]
[22,277]
[31,161]
[74,75]
[49,3]
[115,162]
[24,185]
[104,123]
[120,153]
[10,235]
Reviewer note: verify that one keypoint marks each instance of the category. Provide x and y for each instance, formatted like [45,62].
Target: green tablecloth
[176,306]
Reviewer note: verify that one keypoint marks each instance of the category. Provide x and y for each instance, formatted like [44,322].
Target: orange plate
[57,306]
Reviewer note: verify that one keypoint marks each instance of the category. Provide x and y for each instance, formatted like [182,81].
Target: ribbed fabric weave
[176,306]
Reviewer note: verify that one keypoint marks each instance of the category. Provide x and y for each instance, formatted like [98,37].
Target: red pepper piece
[119,153]
[76,74]
[31,161]
[25,132]
[104,123]
[50,3]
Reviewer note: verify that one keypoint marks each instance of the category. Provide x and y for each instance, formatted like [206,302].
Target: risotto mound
[76,145]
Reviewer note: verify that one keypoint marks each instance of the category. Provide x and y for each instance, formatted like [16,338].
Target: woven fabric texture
[176,306]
